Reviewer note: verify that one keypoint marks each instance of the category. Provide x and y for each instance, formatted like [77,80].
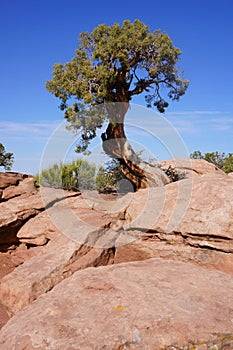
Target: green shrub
[109,177]
[77,175]
[173,174]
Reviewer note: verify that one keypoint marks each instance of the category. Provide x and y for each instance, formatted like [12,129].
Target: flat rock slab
[150,304]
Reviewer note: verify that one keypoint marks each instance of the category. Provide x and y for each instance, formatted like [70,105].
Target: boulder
[74,211]
[26,186]
[11,179]
[38,230]
[36,276]
[15,212]
[152,304]
[191,167]
[71,233]
[230,174]
[182,222]
[189,220]
[197,212]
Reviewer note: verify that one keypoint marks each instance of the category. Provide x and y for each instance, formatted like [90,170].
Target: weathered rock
[191,167]
[196,212]
[58,260]
[38,230]
[11,179]
[70,248]
[151,304]
[15,212]
[18,210]
[230,174]
[73,211]
[26,186]
[150,246]
[185,221]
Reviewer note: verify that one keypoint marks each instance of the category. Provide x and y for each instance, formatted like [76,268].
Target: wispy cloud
[196,121]
[192,113]
[27,131]
[222,124]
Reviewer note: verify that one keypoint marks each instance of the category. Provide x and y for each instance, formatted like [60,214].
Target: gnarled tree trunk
[141,174]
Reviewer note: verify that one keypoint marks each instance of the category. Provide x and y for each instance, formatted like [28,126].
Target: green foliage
[221,160]
[82,175]
[113,64]
[77,175]
[104,181]
[108,177]
[6,158]
[173,174]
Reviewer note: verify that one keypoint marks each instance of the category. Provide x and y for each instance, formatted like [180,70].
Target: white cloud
[27,131]
[196,121]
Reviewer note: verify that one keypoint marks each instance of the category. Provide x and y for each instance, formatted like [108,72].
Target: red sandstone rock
[15,212]
[58,260]
[11,179]
[26,186]
[150,304]
[191,167]
[197,212]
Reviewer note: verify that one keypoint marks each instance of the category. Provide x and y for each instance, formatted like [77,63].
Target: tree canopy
[6,158]
[111,65]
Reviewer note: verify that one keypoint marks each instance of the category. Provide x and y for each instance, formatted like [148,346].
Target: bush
[77,175]
[109,177]
[173,174]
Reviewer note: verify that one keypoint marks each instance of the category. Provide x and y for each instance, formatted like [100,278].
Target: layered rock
[187,221]
[21,200]
[59,260]
[14,213]
[197,212]
[68,247]
[16,184]
[190,220]
[168,301]
[151,304]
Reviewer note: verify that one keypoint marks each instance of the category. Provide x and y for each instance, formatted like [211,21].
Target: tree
[6,158]
[111,66]
[221,160]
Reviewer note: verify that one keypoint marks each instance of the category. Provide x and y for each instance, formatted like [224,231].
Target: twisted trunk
[141,174]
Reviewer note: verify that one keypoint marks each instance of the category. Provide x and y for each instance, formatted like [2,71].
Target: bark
[141,174]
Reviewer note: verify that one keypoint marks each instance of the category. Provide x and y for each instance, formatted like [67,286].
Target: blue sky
[36,34]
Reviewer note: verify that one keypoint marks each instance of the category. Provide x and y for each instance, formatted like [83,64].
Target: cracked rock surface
[148,304]
[168,283]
